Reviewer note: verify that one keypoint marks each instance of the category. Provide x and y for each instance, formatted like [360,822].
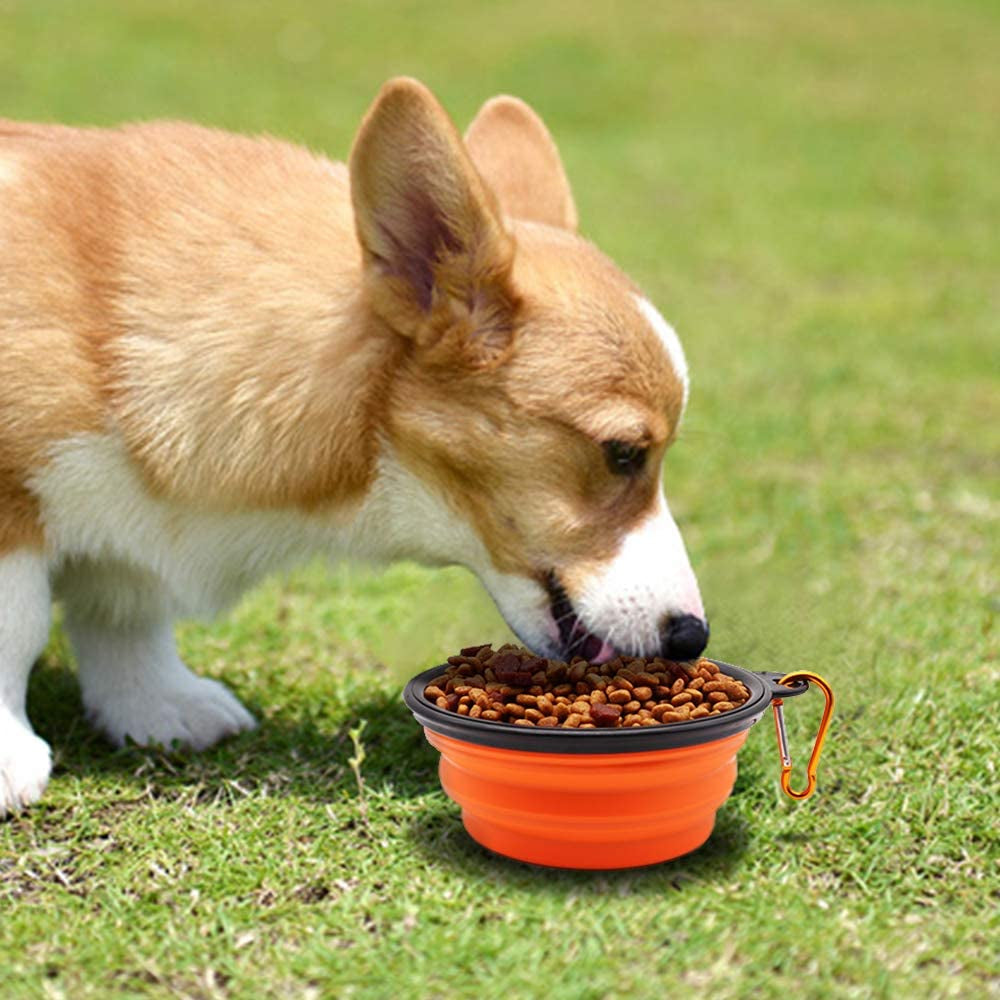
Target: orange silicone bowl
[608,798]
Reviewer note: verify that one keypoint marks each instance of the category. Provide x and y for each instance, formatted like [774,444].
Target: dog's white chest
[94,507]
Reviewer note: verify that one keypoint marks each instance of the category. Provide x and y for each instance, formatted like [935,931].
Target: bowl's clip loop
[779,728]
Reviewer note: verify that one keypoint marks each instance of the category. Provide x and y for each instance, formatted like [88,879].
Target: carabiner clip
[779,728]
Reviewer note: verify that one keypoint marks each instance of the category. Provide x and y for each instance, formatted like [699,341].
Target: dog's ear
[518,158]
[437,257]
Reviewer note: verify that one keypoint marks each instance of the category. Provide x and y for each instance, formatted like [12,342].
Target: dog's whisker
[566,617]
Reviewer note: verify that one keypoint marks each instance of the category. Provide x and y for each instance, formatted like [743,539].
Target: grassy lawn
[810,192]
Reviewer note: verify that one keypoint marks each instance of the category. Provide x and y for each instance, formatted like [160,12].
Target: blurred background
[808,191]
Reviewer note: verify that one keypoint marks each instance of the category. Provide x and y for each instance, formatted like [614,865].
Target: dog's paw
[190,711]
[25,763]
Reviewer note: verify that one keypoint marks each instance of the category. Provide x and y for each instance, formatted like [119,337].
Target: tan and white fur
[220,356]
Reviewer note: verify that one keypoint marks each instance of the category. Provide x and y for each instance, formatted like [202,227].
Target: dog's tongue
[596,649]
[576,640]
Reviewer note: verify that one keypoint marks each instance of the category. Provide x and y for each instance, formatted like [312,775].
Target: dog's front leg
[25,613]
[133,682]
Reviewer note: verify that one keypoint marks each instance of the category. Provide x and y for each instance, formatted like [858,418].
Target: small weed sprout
[356,761]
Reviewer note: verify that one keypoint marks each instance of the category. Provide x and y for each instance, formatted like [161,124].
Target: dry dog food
[512,685]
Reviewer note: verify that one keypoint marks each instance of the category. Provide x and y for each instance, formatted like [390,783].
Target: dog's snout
[684,637]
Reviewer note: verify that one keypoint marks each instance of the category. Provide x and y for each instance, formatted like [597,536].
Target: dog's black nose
[684,638]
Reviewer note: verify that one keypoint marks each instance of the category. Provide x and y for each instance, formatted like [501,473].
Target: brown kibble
[573,720]
[598,697]
[642,693]
[548,722]
[527,699]
[491,714]
[556,670]
[677,686]
[533,715]
[523,722]
[717,696]
[620,697]
[632,706]
[583,707]
[514,710]
[724,706]
[475,712]
[474,650]
[605,715]
[682,699]
[508,669]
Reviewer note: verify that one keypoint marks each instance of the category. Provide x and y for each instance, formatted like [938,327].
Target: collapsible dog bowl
[602,798]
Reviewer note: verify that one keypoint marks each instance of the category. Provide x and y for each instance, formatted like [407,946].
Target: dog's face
[538,391]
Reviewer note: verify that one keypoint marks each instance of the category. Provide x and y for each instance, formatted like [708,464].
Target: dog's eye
[624,459]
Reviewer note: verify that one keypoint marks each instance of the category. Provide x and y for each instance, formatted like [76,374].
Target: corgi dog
[221,356]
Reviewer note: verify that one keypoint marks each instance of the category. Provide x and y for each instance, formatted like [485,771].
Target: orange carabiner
[779,728]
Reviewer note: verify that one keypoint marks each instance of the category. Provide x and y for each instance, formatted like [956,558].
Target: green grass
[810,192]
